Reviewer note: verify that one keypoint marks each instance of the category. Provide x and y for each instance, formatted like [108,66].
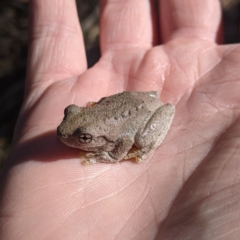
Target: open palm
[189,188]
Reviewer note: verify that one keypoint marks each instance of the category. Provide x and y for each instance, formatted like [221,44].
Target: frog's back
[121,113]
[127,105]
[129,98]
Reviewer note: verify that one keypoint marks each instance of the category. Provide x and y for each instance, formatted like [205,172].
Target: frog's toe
[88,158]
[90,155]
[87,161]
[101,157]
[140,155]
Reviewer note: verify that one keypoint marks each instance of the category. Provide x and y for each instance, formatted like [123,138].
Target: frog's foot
[140,155]
[90,104]
[101,157]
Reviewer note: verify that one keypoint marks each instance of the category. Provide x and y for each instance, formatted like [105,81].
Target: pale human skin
[189,189]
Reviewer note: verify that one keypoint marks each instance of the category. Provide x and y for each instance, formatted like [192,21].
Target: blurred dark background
[14,46]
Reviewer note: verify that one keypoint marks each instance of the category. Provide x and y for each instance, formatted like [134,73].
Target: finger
[190,19]
[56,42]
[127,23]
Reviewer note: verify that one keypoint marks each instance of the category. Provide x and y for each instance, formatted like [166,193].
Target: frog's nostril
[60,133]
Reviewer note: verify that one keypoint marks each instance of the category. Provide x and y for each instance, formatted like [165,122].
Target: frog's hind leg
[152,133]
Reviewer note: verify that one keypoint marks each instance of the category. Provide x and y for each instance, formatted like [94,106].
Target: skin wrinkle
[161,212]
[56,96]
[151,219]
[141,231]
[112,194]
[118,16]
[56,229]
[127,75]
[37,51]
[217,177]
[45,87]
[65,71]
[222,207]
[73,95]
[223,189]
[48,86]
[222,132]
[136,179]
[26,135]
[51,31]
[51,57]
[155,70]
[62,20]
[230,50]
[69,214]
[227,233]
[206,95]
[90,178]
[115,47]
[204,74]
[225,83]
[38,82]
[132,175]
[64,29]
[184,169]
[200,201]
[178,68]
[201,143]
[220,227]
[114,64]
[191,147]
[189,33]
[137,206]
[222,218]
[200,76]
[89,183]
[33,193]
[177,7]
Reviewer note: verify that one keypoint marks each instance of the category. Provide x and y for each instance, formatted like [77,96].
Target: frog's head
[68,125]
[78,131]
[68,130]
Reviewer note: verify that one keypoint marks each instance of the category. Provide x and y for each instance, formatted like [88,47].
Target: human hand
[189,188]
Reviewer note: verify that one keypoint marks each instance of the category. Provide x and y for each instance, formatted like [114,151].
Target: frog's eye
[85,138]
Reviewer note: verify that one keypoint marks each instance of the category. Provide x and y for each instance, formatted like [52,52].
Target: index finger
[56,42]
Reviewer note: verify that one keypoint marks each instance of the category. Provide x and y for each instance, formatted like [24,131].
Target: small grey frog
[109,128]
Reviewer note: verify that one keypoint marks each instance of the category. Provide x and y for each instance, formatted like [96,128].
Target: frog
[109,129]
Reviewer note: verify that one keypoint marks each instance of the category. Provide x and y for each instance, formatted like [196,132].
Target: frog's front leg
[120,150]
[152,132]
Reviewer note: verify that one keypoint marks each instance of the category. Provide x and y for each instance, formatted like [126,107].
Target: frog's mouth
[59,135]
[63,137]
[68,140]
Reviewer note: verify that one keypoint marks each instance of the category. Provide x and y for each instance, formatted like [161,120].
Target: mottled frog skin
[109,128]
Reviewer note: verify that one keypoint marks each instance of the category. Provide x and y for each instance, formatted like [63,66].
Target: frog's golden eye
[85,138]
